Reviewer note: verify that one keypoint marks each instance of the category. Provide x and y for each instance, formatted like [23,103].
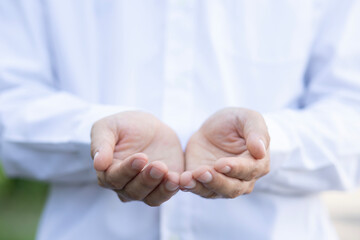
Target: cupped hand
[226,156]
[137,156]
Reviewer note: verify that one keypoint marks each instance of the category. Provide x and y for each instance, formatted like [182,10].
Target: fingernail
[156,173]
[263,144]
[96,158]
[191,184]
[137,164]
[170,186]
[205,177]
[96,154]
[225,169]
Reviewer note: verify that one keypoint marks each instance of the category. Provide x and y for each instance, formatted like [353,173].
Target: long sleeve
[316,147]
[45,132]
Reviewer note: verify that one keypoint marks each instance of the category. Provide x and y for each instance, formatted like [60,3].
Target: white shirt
[65,64]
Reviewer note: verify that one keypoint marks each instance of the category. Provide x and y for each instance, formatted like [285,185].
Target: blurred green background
[21,202]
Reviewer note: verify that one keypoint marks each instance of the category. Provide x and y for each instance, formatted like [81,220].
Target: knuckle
[235,193]
[249,190]
[134,195]
[147,185]
[203,192]
[112,181]
[102,182]
[267,170]
[239,165]
[250,175]
[254,171]
[146,182]
[253,174]
[208,195]
[226,195]
[229,195]
[239,169]
[213,195]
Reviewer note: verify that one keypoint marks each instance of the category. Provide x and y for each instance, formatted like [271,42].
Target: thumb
[256,135]
[103,140]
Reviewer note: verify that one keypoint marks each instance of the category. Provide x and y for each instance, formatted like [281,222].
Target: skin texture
[137,156]
[140,158]
[226,156]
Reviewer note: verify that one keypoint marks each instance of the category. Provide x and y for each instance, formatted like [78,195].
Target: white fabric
[65,64]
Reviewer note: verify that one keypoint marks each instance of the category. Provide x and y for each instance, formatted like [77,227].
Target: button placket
[178,61]
[177,102]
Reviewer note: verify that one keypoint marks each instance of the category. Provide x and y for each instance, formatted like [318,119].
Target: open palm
[138,156]
[227,154]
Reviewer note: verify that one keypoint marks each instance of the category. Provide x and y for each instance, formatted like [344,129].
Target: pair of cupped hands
[141,158]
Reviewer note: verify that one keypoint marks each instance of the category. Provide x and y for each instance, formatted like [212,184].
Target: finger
[146,182]
[256,134]
[250,187]
[164,191]
[222,185]
[187,181]
[103,140]
[101,179]
[243,168]
[188,184]
[122,172]
[236,167]
[256,145]
[122,197]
